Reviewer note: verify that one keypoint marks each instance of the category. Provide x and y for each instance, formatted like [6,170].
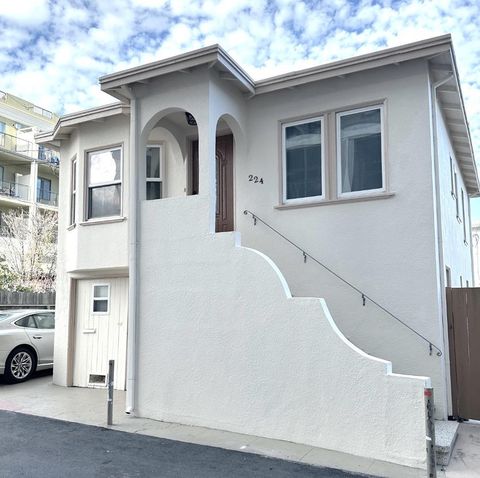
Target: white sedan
[26,342]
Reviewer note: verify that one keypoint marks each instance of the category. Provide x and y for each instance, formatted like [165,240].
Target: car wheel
[20,365]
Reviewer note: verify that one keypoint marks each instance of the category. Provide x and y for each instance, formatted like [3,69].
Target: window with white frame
[101,298]
[303,163]
[452,180]
[360,163]
[104,183]
[154,172]
[455,179]
[73,191]
[463,218]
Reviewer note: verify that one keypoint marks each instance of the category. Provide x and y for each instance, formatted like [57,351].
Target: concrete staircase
[445,437]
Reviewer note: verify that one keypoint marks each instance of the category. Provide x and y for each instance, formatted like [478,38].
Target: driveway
[41,447]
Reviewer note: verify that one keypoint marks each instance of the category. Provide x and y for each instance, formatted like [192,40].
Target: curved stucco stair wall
[222,344]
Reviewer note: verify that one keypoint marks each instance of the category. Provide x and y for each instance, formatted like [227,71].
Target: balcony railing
[14,190]
[27,148]
[45,196]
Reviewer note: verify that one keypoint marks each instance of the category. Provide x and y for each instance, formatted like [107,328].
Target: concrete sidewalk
[88,406]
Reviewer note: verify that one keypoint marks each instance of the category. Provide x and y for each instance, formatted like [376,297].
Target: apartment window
[303,168]
[44,189]
[104,183]
[463,218]
[101,297]
[359,151]
[154,172]
[73,189]
[2,171]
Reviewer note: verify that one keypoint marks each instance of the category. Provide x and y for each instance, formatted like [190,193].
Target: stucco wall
[221,343]
[90,249]
[476,252]
[385,247]
[456,254]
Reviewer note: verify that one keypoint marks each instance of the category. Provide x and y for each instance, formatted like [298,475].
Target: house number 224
[255,179]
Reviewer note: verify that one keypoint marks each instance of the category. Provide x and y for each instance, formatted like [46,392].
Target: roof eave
[388,56]
[72,120]
[211,55]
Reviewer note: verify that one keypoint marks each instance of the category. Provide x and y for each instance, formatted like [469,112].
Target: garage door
[100,331]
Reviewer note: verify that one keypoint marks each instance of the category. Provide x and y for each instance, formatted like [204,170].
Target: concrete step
[445,436]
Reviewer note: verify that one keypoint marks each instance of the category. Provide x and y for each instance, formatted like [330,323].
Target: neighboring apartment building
[28,172]
[365,164]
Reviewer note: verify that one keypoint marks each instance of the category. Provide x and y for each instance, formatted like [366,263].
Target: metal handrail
[364,296]
[14,190]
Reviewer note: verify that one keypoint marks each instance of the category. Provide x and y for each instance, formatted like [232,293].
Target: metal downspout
[441,264]
[132,260]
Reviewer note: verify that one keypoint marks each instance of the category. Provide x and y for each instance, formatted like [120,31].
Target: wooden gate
[463,309]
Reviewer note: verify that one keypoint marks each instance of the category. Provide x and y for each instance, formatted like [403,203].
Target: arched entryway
[171,164]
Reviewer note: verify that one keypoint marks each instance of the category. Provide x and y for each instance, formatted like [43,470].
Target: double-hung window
[73,191]
[360,164]
[303,163]
[104,183]
[154,172]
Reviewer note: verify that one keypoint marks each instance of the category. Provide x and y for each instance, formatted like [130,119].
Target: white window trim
[161,180]
[109,183]
[73,191]
[452,186]
[463,219]
[309,199]
[107,298]
[367,192]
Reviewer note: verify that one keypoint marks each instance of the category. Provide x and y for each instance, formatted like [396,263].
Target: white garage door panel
[100,337]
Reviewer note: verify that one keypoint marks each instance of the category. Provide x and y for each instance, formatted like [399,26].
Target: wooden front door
[100,332]
[463,310]
[224,175]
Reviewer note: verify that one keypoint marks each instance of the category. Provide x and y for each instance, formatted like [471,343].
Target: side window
[45,321]
[303,168]
[360,151]
[154,173]
[455,179]
[101,297]
[28,321]
[452,180]
[104,183]
[73,191]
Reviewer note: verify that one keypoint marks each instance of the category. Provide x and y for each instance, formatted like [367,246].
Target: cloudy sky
[53,51]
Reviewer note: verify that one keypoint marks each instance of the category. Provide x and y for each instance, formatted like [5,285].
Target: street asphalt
[39,447]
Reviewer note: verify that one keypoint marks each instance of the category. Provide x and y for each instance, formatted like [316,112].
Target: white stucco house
[365,165]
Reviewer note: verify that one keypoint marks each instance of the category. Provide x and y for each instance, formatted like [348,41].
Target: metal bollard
[430,433]
[111,367]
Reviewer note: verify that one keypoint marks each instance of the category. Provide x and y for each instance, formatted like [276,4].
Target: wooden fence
[26,300]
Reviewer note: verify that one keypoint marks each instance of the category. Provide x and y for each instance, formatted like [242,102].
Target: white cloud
[53,51]
[25,12]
